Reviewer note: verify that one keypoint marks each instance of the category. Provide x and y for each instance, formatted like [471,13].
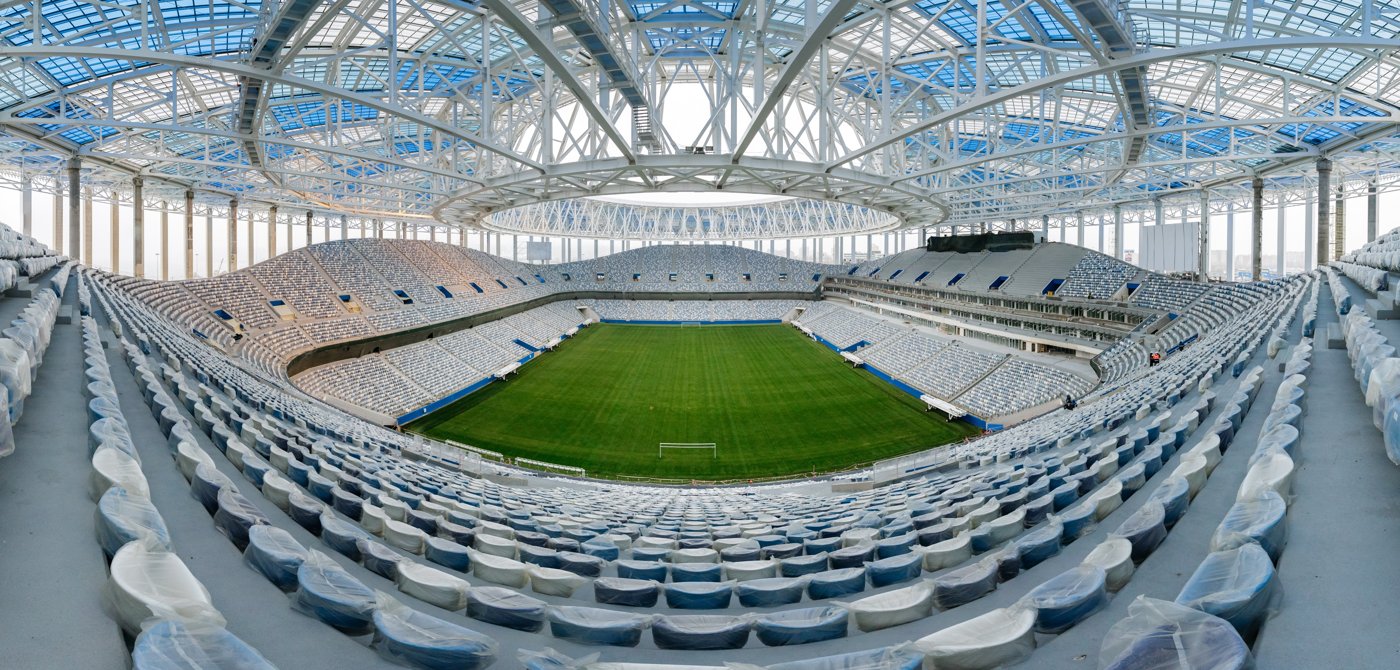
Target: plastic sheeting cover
[589,625]
[1261,520]
[329,593]
[275,554]
[801,626]
[893,608]
[965,584]
[147,582]
[504,607]
[700,632]
[173,645]
[425,641]
[900,657]
[999,637]
[1068,598]
[1236,585]
[1161,635]
[123,517]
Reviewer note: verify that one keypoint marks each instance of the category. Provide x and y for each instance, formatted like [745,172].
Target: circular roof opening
[691,199]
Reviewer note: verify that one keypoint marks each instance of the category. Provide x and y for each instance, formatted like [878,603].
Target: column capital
[74,163]
[1324,163]
[137,182]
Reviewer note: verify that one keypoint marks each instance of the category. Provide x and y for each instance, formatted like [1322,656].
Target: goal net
[662,447]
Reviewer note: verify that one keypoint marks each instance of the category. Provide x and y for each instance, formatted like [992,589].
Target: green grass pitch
[775,401]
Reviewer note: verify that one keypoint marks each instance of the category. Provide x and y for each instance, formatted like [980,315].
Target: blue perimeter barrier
[974,420]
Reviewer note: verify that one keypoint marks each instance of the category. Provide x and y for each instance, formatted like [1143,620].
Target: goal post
[663,446]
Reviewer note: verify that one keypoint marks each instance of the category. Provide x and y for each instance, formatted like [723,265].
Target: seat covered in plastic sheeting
[207,483]
[499,569]
[798,566]
[278,489]
[305,511]
[1001,529]
[123,517]
[494,545]
[895,569]
[1115,557]
[698,632]
[403,536]
[893,608]
[188,456]
[801,626]
[947,553]
[553,581]
[1273,472]
[1068,598]
[641,570]
[1209,447]
[1040,544]
[235,516]
[173,645]
[114,467]
[380,559]
[1261,520]
[627,592]
[274,554]
[583,564]
[1078,521]
[746,570]
[850,557]
[699,595]
[146,581]
[421,640]
[966,584]
[1145,529]
[342,536]
[1192,468]
[1237,585]
[770,592]
[1107,499]
[329,593]
[1175,495]
[505,607]
[447,553]
[1162,635]
[836,583]
[995,639]
[899,657]
[590,625]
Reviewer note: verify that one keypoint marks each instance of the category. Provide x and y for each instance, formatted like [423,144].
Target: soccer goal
[663,446]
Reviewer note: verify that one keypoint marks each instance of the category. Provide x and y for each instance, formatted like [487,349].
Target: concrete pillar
[164,240]
[114,227]
[1045,226]
[432,233]
[344,227]
[1230,241]
[1079,218]
[1309,234]
[138,228]
[310,216]
[1339,226]
[1101,234]
[378,229]
[58,219]
[272,231]
[1324,211]
[1373,206]
[252,255]
[209,243]
[1158,217]
[1282,242]
[75,166]
[1256,269]
[27,205]
[1203,261]
[189,234]
[1118,232]
[232,235]
[88,258]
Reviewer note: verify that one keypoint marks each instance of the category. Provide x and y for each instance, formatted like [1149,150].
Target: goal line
[663,446]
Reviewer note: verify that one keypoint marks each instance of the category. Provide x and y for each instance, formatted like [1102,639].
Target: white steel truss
[929,111]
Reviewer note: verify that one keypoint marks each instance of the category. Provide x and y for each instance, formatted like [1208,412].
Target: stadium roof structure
[415,110]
